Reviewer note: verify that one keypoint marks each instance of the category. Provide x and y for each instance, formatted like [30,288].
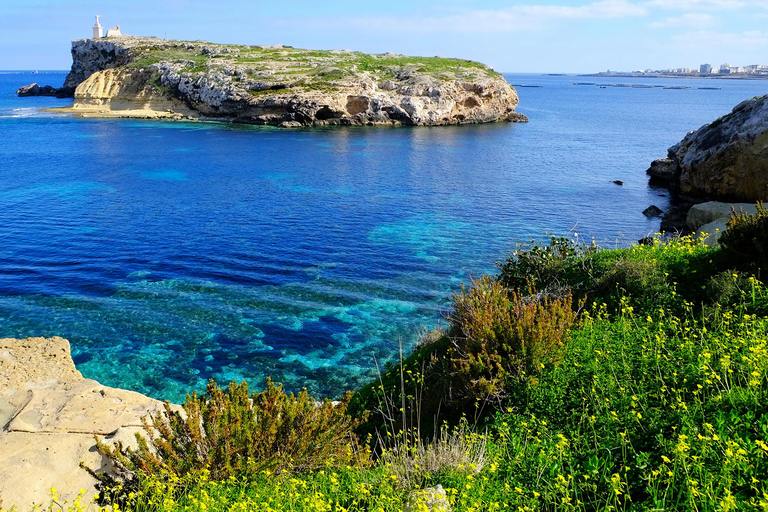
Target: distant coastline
[732,76]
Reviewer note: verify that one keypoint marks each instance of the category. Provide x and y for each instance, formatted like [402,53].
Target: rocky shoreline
[725,161]
[278,85]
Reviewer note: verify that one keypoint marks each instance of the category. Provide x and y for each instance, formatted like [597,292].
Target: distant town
[704,71]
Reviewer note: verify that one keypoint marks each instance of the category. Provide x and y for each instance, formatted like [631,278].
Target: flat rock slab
[49,415]
[704,213]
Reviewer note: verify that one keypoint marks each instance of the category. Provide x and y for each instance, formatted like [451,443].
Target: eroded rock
[49,415]
[282,86]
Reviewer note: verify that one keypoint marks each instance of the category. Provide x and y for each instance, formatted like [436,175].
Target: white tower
[97,31]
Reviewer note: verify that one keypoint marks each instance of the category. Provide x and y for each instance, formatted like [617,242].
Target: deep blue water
[170,253]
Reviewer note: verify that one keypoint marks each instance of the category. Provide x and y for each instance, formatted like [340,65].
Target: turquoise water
[171,253]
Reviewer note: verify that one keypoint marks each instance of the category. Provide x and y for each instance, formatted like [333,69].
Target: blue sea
[169,253]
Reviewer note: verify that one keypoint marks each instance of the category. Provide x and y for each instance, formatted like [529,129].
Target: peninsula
[280,85]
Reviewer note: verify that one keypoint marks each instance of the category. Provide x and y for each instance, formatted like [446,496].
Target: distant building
[705,69]
[97,30]
[114,32]
[725,69]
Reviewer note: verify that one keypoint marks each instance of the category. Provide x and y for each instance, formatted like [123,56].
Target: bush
[233,434]
[548,267]
[746,238]
[500,336]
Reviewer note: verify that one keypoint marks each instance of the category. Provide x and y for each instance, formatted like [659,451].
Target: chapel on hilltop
[98,32]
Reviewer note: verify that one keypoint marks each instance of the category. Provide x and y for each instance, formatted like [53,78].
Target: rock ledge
[49,415]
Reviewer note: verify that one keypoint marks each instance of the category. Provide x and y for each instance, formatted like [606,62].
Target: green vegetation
[302,69]
[651,395]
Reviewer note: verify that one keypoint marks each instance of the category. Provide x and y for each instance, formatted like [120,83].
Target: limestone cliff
[726,160]
[283,86]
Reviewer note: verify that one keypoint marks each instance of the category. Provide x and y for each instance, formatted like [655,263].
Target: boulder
[704,213]
[726,160]
[652,211]
[711,232]
[49,415]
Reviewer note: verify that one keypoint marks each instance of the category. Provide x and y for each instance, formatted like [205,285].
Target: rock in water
[283,86]
[652,211]
[47,90]
[726,160]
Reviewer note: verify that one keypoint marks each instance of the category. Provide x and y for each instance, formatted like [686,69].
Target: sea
[171,253]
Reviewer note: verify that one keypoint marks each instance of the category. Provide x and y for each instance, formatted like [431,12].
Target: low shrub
[746,238]
[501,335]
[231,433]
[416,462]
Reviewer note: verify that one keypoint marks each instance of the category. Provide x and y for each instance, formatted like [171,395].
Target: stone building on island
[98,31]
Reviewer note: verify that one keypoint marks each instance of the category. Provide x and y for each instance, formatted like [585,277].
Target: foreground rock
[709,220]
[48,417]
[726,160]
[282,86]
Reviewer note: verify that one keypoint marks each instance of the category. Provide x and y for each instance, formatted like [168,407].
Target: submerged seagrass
[282,86]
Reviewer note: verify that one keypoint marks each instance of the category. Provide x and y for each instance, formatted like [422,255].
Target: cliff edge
[282,86]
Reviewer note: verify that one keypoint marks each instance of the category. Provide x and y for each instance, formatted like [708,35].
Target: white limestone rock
[49,415]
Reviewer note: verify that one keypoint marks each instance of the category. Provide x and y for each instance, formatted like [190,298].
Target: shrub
[746,238]
[499,335]
[452,451]
[233,433]
[548,267]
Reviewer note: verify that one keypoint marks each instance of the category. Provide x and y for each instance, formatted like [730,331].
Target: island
[279,85]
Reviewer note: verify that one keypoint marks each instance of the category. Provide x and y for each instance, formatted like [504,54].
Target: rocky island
[280,85]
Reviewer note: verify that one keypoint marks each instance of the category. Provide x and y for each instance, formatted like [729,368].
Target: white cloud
[734,43]
[687,5]
[519,18]
[691,19]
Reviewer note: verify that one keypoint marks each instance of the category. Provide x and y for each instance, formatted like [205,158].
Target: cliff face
[284,86]
[90,56]
[726,160]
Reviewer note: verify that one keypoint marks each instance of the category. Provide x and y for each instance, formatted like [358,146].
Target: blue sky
[513,36]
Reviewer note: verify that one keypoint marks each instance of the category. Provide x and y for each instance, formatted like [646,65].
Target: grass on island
[302,69]
[576,379]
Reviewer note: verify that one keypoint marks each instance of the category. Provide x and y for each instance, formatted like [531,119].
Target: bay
[171,253]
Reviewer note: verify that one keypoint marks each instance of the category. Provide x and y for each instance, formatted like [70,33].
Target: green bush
[233,433]
[500,336]
[746,238]
[550,268]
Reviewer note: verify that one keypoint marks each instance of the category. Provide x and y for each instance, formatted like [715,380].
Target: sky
[526,36]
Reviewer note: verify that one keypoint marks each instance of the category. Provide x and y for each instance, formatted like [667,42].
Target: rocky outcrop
[726,160]
[92,55]
[283,86]
[49,415]
[709,220]
[36,90]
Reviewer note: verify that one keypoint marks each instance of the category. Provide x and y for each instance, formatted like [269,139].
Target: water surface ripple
[171,253]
